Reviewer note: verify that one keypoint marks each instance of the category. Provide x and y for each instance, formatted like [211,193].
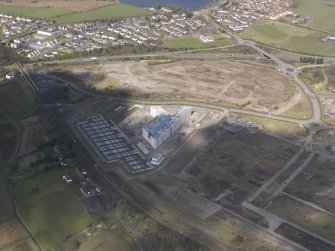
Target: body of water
[188,4]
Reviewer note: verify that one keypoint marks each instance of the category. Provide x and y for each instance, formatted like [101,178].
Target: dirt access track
[210,81]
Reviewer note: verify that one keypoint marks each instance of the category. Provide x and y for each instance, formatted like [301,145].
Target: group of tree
[311,60]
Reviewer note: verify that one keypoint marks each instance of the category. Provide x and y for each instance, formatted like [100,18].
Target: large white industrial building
[158,130]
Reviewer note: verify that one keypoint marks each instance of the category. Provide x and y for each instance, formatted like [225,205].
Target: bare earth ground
[210,81]
[329,109]
[75,5]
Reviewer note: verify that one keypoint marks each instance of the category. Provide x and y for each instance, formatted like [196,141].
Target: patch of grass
[115,239]
[109,11]
[51,208]
[325,135]
[188,42]
[301,110]
[35,12]
[289,37]
[284,129]
[233,50]
[315,125]
[15,101]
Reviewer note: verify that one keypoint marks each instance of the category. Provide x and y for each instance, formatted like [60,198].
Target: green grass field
[194,43]
[35,12]
[110,11]
[289,37]
[15,101]
[322,12]
[54,212]
[111,240]
[61,15]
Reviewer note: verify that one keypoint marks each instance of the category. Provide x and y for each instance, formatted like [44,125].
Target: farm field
[322,13]
[44,201]
[111,240]
[15,101]
[109,11]
[65,15]
[74,5]
[289,37]
[188,42]
[225,82]
[35,12]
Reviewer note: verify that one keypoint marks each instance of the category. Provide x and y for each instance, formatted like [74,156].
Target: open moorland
[221,82]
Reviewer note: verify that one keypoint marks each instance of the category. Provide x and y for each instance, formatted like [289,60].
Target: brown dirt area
[209,81]
[10,233]
[75,5]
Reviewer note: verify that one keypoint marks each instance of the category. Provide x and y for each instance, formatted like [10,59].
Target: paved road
[194,103]
[294,73]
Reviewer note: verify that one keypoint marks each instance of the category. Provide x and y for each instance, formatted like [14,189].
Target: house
[67,179]
[85,189]
[206,39]
[9,76]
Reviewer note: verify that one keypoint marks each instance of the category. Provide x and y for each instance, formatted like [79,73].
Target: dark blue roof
[155,125]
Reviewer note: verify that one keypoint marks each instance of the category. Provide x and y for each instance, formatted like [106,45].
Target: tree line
[311,60]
